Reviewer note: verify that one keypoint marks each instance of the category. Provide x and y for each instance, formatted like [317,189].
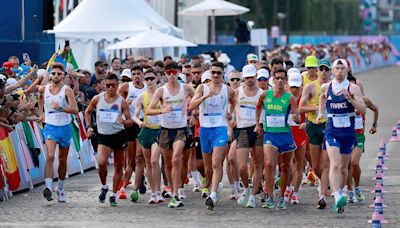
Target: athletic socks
[105,187]
[48,182]
[196,176]
[337,195]
[60,185]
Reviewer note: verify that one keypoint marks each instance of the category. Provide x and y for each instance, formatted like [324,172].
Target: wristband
[60,109]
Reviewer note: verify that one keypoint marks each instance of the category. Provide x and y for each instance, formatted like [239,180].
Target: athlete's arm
[72,107]
[305,96]
[123,90]
[127,122]
[375,109]
[21,82]
[294,110]
[357,100]
[189,91]
[359,83]
[41,103]
[138,109]
[232,100]
[153,110]
[88,113]
[198,98]
[322,101]
[259,107]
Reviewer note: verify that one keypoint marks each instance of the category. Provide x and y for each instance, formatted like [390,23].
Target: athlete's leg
[155,166]
[269,168]
[355,165]
[149,170]
[298,169]
[176,161]
[285,170]
[130,154]
[50,149]
[218,157]
[118,164]
[257,155]
[242,157]
[139,167]
[316,164]
[103,152]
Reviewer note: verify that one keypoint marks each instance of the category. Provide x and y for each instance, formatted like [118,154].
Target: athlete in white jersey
[173,132]
[246,97]
[59,103]
[213,100]
[134,155]
[111,133]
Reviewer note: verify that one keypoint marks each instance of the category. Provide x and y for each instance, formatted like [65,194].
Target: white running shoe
[196,188]
[244,197]
[252,202]
[181,194]
[160,198]
[153,199]
[61,195]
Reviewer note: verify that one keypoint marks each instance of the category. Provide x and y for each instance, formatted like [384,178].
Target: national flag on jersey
[9,160]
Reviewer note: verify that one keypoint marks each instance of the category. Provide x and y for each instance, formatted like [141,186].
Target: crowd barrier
[23,155]
[375,61]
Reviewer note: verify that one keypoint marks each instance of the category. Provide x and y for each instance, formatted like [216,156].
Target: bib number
[341,121]
[358,123]
[58,115]
[213,118]
[108,116]
[173,116]
[154,120]
[276,121]
[247,113]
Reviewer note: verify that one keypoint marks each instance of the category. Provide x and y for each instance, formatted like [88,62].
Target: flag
[10,163]
[75,134]
[69,58]
[56,58]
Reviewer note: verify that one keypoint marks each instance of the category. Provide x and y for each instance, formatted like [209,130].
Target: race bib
[174,116]
[154,120]
[358,123]
[341,121]
[291,120]
[108,115]
[276,121]
[56,115]
[247,112]
[212,118]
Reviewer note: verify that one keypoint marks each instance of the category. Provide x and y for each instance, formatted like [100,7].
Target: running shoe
[167,192]
[61,196]
[311,178]
[251,203]
[122,194]
[153,199]
[210,203]
[121,184]
[174,203]
[277,183]
[160,198]
[196,188]
[281,205]
[103,194]
[204,193]
[203,181]
[287,194]
[134,196]
[340,204]
[304,180]
[351,197]
[294,199]
[244,197]
[142,188]
[47,194]
[359,195]
[181,194]
[321,203]
[263,197]
[113,201]
[234,195]
[269,203]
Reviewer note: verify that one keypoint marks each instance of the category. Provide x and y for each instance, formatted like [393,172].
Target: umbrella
[151,39]
[214,8]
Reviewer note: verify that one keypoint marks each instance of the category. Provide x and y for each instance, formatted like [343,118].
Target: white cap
[262,73]
[224,59]
[293,70]
[249,71]
[206,75]
[182,77]
[252,56]
[126,73]
[41,73]
[336,62]
[295,79]
[11,81]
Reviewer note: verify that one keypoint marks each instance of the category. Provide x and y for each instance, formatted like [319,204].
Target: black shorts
[189,139]
[168,136]
[197,147]
[132,132]
[116,141]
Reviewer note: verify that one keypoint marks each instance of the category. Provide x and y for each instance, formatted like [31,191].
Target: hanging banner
[9,160]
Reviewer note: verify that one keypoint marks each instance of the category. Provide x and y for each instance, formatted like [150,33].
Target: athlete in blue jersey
[340,98]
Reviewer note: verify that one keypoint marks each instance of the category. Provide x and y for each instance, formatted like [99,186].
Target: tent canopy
[109,19]
[214,8]
[151,39]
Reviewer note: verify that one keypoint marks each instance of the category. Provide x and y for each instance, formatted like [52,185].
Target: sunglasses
[196,72]
[149,78]
[113,85]
[311,68]
[324,68]
[56,73]
[216,72]
[235,79]
[262,79]
[171,72]
[280,78]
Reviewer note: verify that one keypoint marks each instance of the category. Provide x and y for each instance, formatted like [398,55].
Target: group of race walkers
[267,122]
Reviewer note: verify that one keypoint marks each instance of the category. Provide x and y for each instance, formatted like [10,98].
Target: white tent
[95,21]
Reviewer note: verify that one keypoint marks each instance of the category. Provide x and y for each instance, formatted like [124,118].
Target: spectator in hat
[228,68]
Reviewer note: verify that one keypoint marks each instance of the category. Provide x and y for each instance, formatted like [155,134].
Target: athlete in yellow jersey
[311,75]
[316,131]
